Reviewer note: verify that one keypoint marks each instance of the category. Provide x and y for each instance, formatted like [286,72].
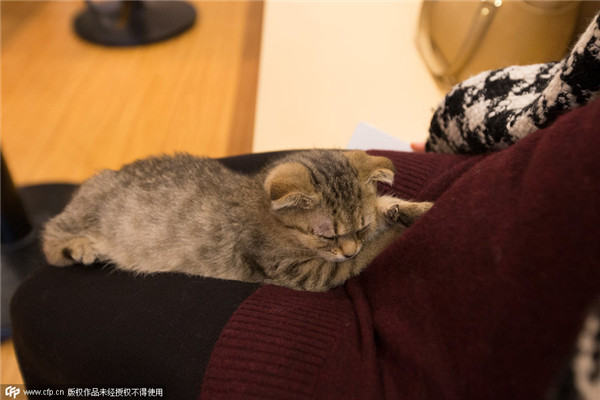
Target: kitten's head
[327,199]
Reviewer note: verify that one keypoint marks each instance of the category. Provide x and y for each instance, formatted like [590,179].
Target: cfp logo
[12,391]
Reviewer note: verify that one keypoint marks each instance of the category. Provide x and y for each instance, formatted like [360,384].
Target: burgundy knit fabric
[480,299]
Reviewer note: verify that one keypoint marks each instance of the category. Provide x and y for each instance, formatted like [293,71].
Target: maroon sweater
[480,299]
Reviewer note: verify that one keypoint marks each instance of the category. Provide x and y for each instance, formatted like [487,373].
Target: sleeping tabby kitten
[308,221]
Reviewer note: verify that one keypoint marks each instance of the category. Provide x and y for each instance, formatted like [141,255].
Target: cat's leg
[80,250]
[62,245]
[69,250]
[405,212]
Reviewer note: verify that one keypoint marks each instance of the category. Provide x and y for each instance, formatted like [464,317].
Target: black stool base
[20,258]
[144,22]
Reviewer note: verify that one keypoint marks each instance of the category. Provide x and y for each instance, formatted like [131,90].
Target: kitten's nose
[349,248]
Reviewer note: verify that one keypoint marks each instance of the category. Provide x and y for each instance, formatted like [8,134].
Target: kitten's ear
[372,168]
[289,185]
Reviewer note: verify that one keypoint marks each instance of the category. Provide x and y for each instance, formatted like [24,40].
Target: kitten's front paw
[401,211]
[393,214]
[407,214]
[80,250]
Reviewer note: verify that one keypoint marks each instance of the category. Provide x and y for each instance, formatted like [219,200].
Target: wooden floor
[70,108]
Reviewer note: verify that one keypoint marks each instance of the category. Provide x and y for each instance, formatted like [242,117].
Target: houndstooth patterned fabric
[494,109]
[581,378]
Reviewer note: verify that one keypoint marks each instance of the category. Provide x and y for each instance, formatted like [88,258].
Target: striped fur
[308,221]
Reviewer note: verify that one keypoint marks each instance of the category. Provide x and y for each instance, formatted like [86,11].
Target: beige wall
[326,66]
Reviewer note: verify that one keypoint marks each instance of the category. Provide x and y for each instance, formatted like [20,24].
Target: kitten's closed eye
[363,230]
[358,234]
